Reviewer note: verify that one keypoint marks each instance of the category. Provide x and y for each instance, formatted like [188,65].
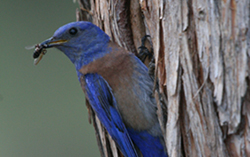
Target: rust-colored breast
[114,67]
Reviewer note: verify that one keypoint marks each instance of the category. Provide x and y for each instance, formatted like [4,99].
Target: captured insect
[38,53]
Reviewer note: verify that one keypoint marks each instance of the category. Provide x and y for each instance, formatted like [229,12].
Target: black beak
[51,42]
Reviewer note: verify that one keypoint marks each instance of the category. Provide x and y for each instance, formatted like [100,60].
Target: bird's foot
[151,67]
[144,52]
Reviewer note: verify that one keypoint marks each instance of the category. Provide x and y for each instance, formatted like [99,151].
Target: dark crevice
[161,60]
[193,45]
[182,111]
[122,10]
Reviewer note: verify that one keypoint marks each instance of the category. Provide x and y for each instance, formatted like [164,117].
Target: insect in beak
[40,49]
[38,53]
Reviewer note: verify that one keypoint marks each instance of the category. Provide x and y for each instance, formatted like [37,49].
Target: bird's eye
[73,31]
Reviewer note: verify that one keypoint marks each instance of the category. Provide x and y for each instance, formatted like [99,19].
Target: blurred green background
[42,110]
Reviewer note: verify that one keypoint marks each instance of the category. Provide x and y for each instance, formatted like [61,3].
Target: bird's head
[81,41]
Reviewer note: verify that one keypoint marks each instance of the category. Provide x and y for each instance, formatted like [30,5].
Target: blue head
[81,41]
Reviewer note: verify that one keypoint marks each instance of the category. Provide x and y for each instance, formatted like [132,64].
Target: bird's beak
[41,48]
[51,42]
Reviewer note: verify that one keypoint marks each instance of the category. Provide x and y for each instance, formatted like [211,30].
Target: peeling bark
[201,50]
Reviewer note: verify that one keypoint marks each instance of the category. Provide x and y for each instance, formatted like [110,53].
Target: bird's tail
[150,146]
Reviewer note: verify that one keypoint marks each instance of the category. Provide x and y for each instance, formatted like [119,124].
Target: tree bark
[201,50]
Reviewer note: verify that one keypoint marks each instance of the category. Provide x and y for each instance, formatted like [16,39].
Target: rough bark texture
[201,48]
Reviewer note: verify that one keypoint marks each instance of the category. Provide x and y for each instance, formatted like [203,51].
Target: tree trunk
[201,50]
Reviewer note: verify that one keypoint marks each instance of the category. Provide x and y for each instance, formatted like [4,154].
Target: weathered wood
[201,50]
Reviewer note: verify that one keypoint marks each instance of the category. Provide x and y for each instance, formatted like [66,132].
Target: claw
[144,52]
[151,68]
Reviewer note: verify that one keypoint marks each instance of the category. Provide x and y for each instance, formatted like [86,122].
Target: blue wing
[104,104]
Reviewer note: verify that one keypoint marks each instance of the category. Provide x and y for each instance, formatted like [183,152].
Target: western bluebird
[117,86]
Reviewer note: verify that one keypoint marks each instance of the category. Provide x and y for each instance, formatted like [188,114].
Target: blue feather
[104,104]
[146,143]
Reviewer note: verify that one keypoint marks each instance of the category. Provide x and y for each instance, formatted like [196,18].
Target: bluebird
[116,84]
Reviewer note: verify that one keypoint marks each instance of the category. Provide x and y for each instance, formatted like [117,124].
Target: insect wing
[30,47]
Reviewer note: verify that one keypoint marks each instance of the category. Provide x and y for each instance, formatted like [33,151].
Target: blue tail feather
[149,145]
